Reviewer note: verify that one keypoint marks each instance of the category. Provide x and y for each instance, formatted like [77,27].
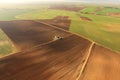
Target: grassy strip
[5,48]
[89,10]
[107,10]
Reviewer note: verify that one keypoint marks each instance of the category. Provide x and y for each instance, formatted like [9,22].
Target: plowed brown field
[69,58]
[26,34]
[103,64]
[59,60]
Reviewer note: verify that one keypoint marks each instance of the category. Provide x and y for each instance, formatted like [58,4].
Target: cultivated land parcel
[46,50]
[100,24]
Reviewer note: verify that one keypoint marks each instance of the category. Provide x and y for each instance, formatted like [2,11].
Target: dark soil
[59,60]
[26,34]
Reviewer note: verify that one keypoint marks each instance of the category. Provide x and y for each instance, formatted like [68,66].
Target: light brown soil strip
[86,61]
[103,64]
[113,14]
[86,19]
[2,43]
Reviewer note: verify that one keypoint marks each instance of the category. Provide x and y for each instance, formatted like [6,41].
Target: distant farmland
[101,26]
[68,42]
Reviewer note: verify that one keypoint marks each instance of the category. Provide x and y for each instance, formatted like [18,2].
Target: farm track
[71,58]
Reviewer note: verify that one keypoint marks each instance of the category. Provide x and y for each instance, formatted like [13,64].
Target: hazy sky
[88,1]
[101,1]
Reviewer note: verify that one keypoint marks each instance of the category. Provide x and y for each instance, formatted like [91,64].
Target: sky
[87,1]
[101,1]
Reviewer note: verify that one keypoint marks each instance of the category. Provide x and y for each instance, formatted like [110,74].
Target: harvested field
[102,65]
[112,28]
[58,60]
[86,19]
[3,43]
[68,8]
[59,21]
[114,14]
[26,34]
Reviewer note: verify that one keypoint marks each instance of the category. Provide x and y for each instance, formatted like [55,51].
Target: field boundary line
[63,30]
[77,35]
[86,60]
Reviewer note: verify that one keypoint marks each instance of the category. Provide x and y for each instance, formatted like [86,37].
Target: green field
[5,44]
[104,30]
[46,14]
[89,10]
[107,10]
[9,14]
[100,10]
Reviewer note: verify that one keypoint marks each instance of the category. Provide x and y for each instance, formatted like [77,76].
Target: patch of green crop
[5,45]
[6,49]
[2,36]
[89,10]
[107,10]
